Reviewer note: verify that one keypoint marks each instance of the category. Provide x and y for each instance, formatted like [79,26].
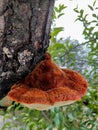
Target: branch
[77,46]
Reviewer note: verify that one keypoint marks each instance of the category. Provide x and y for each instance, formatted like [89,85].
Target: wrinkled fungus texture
[49,84]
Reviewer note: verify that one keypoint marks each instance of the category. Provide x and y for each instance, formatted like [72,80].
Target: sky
[72,28]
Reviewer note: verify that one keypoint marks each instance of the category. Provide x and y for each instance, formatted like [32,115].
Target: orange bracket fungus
[48,86]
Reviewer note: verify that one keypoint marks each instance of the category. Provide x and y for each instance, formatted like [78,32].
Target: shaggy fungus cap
[48,86]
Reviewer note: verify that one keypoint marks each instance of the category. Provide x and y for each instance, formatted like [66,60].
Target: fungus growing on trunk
[48,86]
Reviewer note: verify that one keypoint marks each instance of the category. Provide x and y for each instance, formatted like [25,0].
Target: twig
[76,47]
[43,113]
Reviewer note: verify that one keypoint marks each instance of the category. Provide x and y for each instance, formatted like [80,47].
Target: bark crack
[23,39]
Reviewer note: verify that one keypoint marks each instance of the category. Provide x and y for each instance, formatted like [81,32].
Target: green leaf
[62,7]
[94,3]
[90,7]
[85,16]
[91,29]
[56,9]
[94,15]
[54,15]
[81,12]
[96,34]
[56,31]
[76,9]
[60,15]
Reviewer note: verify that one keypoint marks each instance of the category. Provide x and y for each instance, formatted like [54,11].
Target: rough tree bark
[24,38]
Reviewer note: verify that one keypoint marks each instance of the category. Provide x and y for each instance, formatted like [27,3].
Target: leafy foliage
[82,115]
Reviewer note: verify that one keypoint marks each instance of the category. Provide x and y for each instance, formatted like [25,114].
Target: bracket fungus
[48,86]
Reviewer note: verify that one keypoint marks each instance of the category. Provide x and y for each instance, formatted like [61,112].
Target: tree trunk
[24,38]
